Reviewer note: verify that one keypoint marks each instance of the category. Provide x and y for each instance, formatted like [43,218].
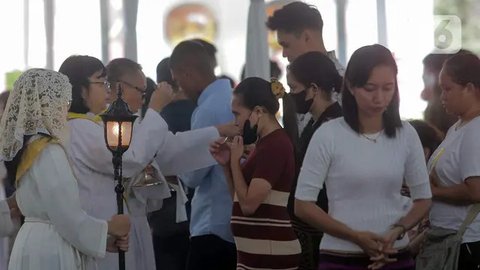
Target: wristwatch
[404,230]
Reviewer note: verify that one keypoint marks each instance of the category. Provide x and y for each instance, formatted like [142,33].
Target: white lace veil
[38,103]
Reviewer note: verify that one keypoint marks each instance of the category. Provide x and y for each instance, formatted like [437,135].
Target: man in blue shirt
[211,242]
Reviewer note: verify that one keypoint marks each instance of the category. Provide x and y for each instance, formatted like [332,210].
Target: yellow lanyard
[30,155]
[94,118]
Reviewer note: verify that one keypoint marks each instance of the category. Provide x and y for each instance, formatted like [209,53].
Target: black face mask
[249,133]
[302,106]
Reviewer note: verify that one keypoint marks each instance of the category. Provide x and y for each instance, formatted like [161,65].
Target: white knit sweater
[363,178]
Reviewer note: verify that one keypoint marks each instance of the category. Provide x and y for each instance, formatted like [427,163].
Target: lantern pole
[119,114]
[119,190]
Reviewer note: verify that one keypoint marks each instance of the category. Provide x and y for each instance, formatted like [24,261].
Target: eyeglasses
[106,84]
[140,90]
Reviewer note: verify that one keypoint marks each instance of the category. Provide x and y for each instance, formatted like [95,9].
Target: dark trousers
[345,262]
[210,252]
[171,252]
[469,258]
[310,242]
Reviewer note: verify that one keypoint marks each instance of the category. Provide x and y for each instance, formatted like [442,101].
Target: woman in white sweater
[363,158]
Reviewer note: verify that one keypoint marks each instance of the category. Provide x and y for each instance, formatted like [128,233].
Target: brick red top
[266,238]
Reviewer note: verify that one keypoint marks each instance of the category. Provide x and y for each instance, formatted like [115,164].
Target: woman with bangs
[363,158]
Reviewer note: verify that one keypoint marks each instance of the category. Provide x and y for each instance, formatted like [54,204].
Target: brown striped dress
[266,240]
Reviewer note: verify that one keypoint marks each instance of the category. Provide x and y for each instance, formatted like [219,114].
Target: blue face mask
[249,133]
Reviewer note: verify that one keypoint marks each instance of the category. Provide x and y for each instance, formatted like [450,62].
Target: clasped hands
[378,247]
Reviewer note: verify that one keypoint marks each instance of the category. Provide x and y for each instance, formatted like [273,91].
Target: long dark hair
[359,69]
[78,68]
[317,68]
[255,91]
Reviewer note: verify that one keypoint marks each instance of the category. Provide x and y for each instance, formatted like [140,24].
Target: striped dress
[266,240]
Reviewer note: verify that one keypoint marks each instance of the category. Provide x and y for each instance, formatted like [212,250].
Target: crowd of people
[340,182]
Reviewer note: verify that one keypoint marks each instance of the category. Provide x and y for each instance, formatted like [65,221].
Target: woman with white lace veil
[57,233]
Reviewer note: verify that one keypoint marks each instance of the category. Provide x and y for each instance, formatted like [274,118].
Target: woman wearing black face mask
[260,186]
[313,81]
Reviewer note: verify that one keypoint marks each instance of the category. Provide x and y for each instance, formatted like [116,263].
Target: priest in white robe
[152,143]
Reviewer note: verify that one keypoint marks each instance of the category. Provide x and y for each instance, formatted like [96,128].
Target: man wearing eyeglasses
[128,75]
[152,143]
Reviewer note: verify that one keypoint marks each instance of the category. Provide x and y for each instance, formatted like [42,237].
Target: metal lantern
[118,128]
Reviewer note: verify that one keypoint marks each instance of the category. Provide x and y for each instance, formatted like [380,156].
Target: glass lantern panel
[114,129]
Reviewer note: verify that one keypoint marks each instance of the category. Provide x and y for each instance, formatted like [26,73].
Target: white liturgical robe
[151,143]
[57,233]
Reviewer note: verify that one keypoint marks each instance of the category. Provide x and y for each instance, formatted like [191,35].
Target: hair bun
[277,88]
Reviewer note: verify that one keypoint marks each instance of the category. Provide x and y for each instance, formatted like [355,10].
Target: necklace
[372,137]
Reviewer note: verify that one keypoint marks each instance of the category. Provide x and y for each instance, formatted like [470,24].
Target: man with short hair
[210,49]
[299,29]
[151,143]
[211,242]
